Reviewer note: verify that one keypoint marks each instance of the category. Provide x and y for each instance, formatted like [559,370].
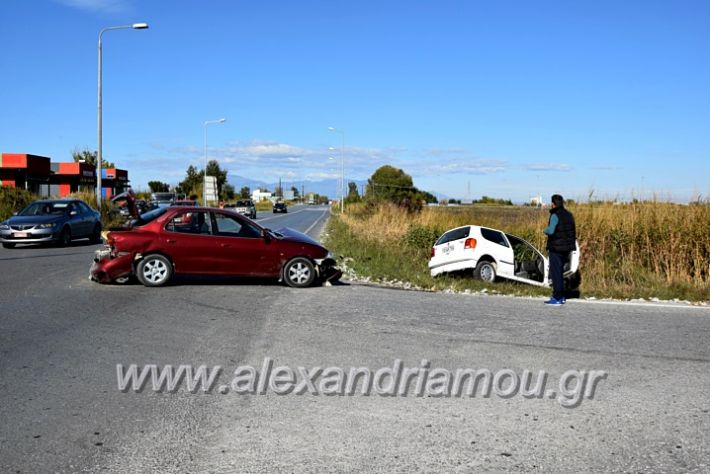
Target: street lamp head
[222,120]
[331,129]
[140,26]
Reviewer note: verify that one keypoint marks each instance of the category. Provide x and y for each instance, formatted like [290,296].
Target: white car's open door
[572,264]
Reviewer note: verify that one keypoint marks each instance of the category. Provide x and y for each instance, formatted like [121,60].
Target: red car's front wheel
[299,272]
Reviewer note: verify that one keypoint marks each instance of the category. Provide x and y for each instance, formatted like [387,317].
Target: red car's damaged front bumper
[108,268]
[327,271]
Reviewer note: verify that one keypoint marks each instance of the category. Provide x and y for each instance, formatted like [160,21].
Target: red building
[43,178]
[113,181]
[71,177]
[25,171]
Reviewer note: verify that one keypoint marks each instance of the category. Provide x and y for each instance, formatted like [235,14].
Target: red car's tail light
[469,244]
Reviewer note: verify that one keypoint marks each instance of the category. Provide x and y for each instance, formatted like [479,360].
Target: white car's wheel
[485,271]
[154,270]
[573,281]
[299,273]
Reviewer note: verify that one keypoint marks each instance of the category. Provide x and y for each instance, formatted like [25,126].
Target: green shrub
[421,237]
[13,200]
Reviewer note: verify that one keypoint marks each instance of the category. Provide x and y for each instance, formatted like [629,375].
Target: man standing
[561,240]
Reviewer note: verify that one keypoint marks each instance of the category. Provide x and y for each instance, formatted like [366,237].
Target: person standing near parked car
[561,238]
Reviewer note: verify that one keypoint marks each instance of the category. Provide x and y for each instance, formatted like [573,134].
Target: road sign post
[210,189]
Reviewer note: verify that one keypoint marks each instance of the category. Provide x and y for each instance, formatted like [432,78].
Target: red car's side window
[190,223]
[229,226]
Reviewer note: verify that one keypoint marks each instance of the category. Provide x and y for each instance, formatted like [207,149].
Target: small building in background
[536,201]
[114,181]
[259,195]
[71,177]
[22,170]
[288,195]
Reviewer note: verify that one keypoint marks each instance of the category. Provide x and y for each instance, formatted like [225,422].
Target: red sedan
[208,241]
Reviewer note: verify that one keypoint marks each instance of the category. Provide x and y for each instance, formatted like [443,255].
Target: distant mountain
[324,187]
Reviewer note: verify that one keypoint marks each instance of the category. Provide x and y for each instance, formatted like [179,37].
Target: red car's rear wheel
[154,270]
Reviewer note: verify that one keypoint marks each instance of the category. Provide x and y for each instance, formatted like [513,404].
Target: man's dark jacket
[565,235]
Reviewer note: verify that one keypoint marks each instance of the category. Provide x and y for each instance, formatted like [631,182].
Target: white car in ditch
[492,254]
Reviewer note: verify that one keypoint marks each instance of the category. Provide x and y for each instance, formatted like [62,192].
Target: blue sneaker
[554,302]
[563,300]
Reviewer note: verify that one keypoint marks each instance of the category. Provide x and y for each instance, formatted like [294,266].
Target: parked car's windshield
[45,209]
[149,216]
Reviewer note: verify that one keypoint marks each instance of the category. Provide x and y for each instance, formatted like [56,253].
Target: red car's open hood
[294,235]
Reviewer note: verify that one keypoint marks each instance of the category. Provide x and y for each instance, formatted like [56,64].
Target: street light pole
[204,184]
[99,150]
[342,166]
[338,189]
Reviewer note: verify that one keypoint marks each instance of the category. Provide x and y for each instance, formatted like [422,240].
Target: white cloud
[607,168]
[102,6]
[445,151]
[264,160]
[548,167]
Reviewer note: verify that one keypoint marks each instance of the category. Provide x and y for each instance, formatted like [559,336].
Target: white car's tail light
[469,244]
[433,251]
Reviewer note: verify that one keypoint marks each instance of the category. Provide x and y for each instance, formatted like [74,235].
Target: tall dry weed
[625,247]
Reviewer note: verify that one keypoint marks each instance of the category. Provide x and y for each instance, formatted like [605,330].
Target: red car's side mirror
[265,234]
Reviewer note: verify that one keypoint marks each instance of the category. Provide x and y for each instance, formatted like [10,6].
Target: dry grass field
[635,250]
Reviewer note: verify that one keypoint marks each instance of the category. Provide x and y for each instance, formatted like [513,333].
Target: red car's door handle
[224,245]
[171,241]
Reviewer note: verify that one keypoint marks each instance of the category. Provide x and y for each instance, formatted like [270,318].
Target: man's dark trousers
[557,262]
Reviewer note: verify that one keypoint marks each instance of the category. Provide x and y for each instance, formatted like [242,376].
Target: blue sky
[503,98]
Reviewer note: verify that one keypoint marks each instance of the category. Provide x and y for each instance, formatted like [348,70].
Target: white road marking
[643,304]
[280,215]
[316,222]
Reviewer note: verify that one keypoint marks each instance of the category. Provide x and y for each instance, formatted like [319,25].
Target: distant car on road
[280,207]
[245,207]
[491,253]
[209,241]
[185,202]
[163,199]
[51,220]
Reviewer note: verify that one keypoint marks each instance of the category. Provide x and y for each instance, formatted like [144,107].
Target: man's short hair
[558,200]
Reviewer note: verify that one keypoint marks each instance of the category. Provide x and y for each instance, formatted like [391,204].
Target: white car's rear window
[456,234]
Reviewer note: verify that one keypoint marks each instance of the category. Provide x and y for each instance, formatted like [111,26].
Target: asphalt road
[61,337]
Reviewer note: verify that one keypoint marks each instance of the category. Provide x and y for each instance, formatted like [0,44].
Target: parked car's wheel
[65,237]
[485,271]
[8,245]
[96,234]
[299,272]
[154,270]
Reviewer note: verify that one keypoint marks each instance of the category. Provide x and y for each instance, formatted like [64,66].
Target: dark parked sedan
[209,241]
[51,220]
